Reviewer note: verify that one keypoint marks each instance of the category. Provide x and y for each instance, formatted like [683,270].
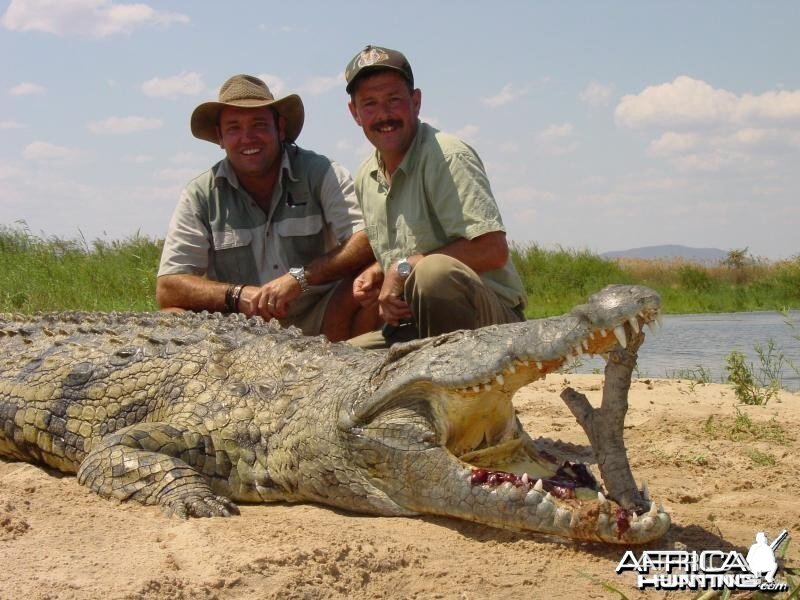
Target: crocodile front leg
[149,463]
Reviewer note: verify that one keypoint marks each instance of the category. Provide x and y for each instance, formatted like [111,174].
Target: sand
[60,541]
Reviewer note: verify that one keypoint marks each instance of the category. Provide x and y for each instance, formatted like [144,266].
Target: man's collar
[409,158]
[224,170]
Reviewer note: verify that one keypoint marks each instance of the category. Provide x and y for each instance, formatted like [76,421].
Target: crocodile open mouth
[498,457]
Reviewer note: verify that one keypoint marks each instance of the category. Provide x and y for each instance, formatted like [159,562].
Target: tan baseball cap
[374,58]
[246,91]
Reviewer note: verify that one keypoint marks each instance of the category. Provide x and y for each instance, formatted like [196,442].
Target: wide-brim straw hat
[246,91]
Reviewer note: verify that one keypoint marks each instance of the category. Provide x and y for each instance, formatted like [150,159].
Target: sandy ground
[58,540]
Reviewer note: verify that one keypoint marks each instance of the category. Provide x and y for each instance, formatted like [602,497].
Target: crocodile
[195,412]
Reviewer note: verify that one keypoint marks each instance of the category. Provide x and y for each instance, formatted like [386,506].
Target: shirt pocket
[233,259]
[302,239]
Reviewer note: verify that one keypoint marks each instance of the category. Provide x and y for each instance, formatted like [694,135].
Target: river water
[687,342]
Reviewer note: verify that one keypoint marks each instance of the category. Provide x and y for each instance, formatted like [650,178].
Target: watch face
[404,268]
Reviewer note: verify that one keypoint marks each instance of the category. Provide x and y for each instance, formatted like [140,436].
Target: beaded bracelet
[232,295]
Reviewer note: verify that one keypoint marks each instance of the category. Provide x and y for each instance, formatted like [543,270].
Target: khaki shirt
[438,194]
[218,230]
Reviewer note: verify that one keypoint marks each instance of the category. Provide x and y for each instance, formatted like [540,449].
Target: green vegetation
[557,280]
[55,274]
[742,428]
[757,386]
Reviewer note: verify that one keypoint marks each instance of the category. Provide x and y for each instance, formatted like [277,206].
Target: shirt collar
[410,157]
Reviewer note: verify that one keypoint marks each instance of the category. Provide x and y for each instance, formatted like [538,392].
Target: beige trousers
[444,295]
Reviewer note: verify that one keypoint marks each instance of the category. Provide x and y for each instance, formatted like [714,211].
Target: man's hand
[271,299]
[392,308]
[367,286]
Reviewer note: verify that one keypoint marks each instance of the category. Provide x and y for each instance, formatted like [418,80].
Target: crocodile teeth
[525,479]
[601,499]
[591,335]
[487,387]
[645,492]
[532,498]
[538,486]
[653,512]
[476,388]
[634,516]
[585,344]
[538,365]
[512,368]
[619,332]
[500,379]
[562,515]
[603,333]
[575,520]
[634,322]
[659,320]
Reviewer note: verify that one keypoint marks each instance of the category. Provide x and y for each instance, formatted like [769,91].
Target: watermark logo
[709,569]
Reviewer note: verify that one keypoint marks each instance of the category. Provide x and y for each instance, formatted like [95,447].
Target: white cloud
[318,85]
[468,133]
[26,88]
[673,143]
[508,94]
[94,18]
[47,152]
[597,94]
[525,194]
[124,125]
[555,132]
[691,103]
[187,83]
[557,139]
[10,125]
[275,84]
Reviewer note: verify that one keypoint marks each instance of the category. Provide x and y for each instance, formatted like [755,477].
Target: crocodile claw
[195,505]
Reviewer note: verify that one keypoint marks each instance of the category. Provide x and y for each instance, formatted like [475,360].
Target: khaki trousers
[444,295]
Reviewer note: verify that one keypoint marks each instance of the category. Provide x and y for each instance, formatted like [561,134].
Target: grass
[51,273]
[743,428]
[556,280]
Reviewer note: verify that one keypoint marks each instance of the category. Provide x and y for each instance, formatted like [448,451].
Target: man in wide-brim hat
[272,229]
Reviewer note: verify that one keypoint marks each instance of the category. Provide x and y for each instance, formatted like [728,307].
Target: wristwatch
[404,268]
[299,273]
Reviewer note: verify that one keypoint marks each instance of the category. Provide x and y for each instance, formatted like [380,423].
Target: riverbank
[53,274]
[722,476]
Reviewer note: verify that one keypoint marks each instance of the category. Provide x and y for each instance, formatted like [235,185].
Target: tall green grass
[557,280]
[51,274]
[54,274]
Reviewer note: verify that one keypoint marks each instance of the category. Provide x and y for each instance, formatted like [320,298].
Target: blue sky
[603,125]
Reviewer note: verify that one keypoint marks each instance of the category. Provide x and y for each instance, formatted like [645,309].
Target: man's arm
[484,253]
[343,260]
[190,292]
[274,297]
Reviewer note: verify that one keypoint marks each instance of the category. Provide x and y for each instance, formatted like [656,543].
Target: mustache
[390,123]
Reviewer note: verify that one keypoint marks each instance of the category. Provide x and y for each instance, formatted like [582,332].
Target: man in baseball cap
[442,256]
[272,229]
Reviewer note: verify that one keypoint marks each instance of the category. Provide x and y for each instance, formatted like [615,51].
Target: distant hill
[700,255]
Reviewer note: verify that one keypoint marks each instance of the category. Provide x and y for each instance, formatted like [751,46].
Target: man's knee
[437,272]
